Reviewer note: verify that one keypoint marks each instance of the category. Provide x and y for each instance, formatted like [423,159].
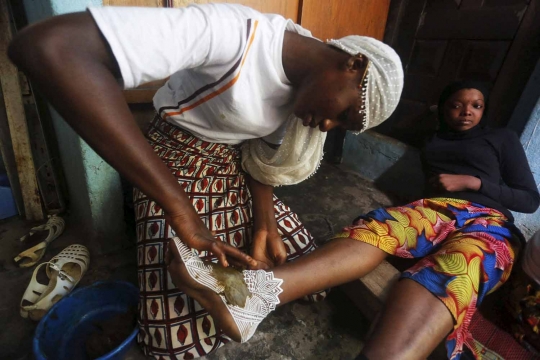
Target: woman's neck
[304,56]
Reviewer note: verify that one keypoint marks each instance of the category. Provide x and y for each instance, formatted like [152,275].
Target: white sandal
[263,287]
[64,271]
[28,258]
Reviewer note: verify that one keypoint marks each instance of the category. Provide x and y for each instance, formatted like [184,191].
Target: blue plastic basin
[8,208]
[63,331]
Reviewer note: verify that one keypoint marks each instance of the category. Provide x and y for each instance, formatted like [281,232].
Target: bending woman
[463,233]
[236,77]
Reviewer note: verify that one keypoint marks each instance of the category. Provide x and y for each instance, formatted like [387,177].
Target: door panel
[427,57]
[479,22]
[482,60]
[335,19]
[441,41]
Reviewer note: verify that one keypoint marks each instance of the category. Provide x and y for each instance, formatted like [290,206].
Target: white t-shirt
[227,82]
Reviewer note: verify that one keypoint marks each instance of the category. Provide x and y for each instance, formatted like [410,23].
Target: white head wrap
[301,151]
[384,76]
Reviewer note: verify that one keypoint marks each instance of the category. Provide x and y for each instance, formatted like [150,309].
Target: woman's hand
[268,249]
[453,183]
[197,236]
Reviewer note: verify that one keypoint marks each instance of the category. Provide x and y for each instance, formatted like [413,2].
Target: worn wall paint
[526,121]
[95,193]
[69,6]
[393,166]
[38,10]
[530,139]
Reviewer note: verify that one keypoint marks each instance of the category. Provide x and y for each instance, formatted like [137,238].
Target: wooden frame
[18,129]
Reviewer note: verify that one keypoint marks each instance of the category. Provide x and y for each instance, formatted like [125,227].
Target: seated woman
[463,232]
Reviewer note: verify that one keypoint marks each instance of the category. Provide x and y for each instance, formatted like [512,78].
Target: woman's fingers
[279,253]
[244,258]
[235,263]
[261,265]
[222,250]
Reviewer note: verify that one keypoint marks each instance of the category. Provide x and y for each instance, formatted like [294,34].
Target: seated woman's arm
[519,191]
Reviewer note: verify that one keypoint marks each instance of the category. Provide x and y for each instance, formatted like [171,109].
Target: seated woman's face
[464,109]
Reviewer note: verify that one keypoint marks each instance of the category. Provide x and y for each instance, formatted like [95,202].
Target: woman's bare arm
[70,62]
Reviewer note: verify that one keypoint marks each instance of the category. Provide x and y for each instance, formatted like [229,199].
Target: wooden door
[494,41]
[338,18]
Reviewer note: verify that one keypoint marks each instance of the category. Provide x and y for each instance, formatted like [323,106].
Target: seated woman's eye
[478,106]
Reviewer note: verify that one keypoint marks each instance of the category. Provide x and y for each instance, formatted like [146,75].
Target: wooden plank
[371,291]
[498,23]
[140,96]
[9,79]
[144,94]
[517,68]
[393,22]
[335,19]
[6,150]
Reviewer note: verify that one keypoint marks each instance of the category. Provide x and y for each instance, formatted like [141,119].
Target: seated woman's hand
[197,236]
[453,183]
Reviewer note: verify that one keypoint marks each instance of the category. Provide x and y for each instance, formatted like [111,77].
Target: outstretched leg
[335,263]
[440,292]
[412,324]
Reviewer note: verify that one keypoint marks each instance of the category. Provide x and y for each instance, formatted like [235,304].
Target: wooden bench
[370,292]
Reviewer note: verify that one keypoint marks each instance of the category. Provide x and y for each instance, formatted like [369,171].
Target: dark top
[493,155]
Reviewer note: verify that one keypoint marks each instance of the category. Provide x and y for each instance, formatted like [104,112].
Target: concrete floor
[332,329]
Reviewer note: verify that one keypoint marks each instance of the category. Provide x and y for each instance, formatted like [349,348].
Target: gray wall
[394,167]
[95,193]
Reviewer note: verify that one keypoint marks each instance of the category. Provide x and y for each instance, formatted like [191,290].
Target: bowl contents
[109,334]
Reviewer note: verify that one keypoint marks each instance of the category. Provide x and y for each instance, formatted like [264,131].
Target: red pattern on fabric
[493,338]
[453,259]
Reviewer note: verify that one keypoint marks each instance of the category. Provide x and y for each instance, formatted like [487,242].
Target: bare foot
[208,299]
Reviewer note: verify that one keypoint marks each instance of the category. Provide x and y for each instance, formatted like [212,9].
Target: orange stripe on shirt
[223,88]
